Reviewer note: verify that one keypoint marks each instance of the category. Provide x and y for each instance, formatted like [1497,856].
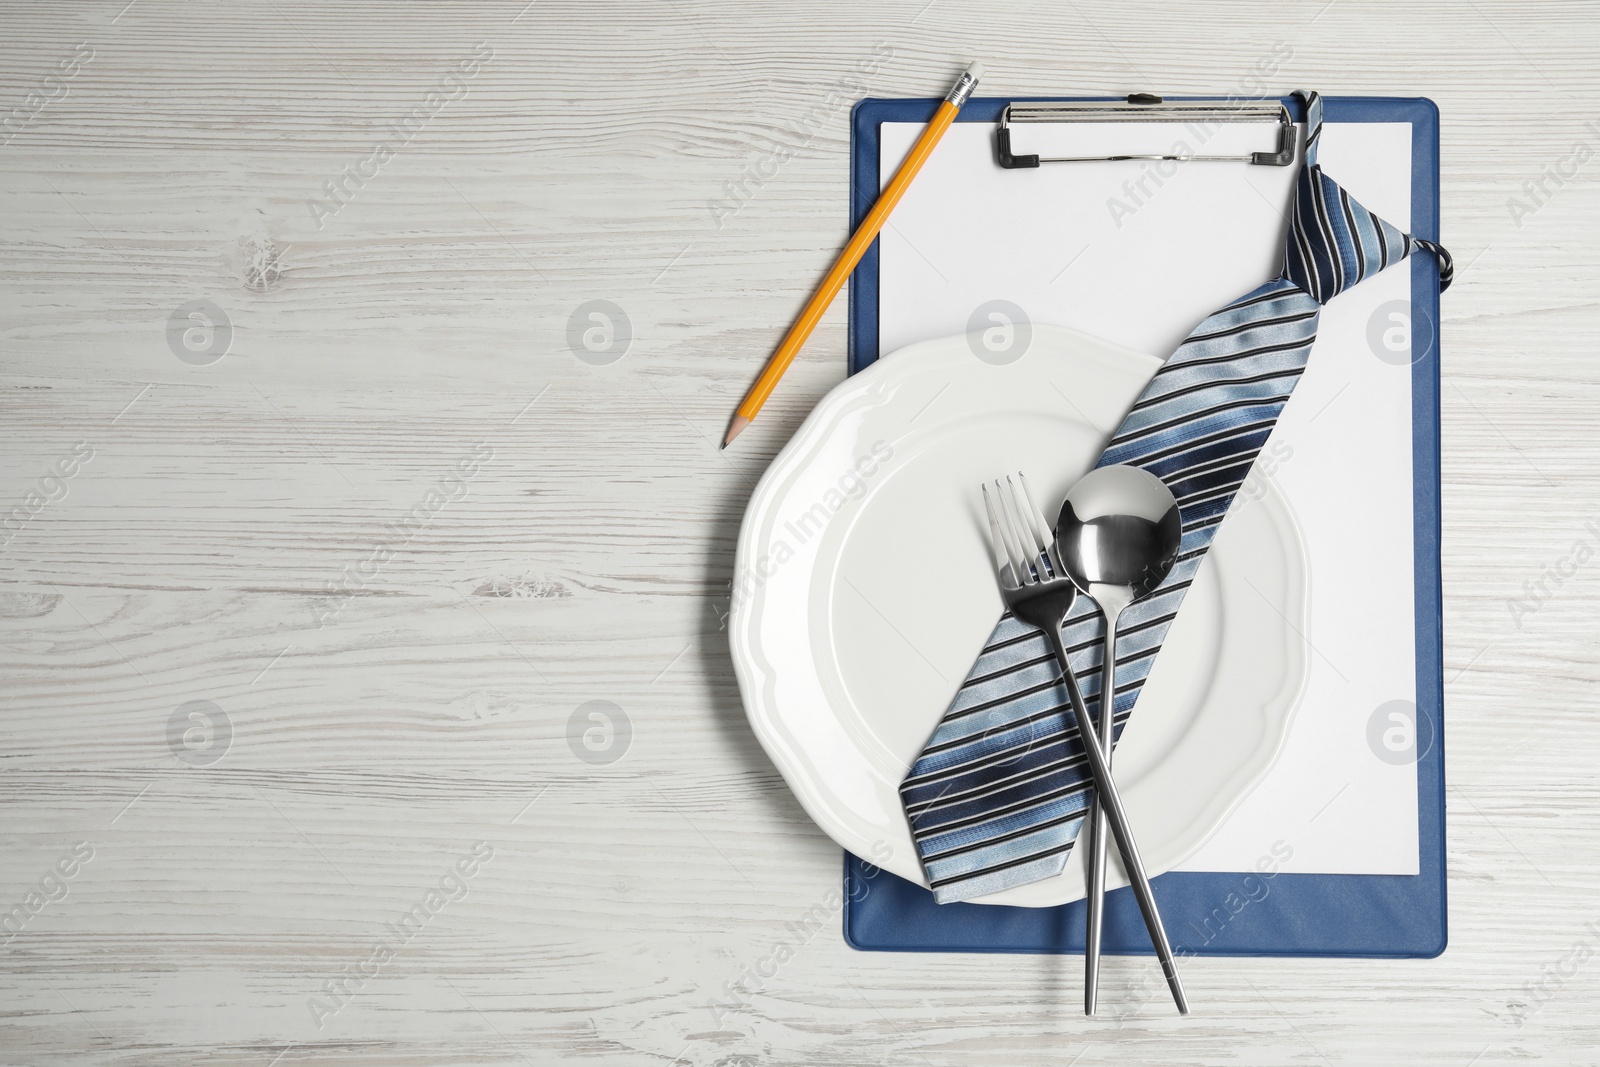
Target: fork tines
[1024,539]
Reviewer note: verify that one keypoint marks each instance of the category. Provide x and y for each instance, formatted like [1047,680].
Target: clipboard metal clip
[1145,107]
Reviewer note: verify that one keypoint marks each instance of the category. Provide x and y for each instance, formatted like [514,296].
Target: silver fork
[1037,590]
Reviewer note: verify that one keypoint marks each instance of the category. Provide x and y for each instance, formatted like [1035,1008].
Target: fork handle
[1111,803]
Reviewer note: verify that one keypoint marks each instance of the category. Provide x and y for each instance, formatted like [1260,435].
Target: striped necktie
[998,795]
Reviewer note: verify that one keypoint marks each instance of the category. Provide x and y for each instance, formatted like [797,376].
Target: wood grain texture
[587,557]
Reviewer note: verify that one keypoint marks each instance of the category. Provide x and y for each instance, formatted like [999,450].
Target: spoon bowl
[1119,528]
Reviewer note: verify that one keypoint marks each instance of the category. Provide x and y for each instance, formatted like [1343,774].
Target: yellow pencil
[852,253]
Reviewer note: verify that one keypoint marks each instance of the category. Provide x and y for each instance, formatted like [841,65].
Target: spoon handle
[1111,801]
[1097,818]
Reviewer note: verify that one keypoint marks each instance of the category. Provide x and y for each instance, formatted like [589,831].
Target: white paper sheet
[1139,253]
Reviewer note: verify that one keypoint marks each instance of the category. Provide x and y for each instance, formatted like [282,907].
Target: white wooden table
[378,549]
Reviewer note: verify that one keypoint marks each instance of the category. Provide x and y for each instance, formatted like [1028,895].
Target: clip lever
[1145,107]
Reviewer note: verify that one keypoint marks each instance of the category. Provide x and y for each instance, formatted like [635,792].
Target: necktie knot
[1334,241]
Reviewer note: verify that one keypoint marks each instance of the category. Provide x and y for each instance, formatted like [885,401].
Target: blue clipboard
[1234,914]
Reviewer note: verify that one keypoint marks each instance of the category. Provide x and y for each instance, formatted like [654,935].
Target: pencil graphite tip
[735,428]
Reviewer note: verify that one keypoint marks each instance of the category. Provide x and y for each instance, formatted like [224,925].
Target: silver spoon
[1118,537]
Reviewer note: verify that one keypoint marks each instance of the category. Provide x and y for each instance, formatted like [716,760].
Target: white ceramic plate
[863,591]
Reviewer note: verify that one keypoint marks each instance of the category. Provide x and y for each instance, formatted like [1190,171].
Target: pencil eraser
[975,70]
